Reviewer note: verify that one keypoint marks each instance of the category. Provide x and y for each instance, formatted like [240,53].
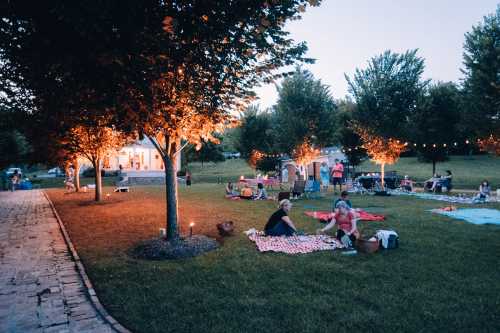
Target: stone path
[40,288]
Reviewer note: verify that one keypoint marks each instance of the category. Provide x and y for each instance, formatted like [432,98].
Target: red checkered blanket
[363,215]
[293,244]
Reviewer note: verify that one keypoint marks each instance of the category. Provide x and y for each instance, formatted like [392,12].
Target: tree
[386,94]
[14,147]
[172,71]
[209,152]
[346,135]
[381,150]
[256,132]
[305,112]
[436,122]
[482,81]
[94,142]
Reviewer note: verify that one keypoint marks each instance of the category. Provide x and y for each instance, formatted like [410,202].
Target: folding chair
[298,188]
[312,189]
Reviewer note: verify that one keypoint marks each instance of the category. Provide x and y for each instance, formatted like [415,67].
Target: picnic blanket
[473,215]
[293,244]
[443,197]
[363,215]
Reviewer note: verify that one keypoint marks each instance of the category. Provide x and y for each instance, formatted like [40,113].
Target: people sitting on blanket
[346,220]
[431,183]
[261,192]
[484,191]
[279,224]
[440,183]
[246,192]
[406,184]
[230,190]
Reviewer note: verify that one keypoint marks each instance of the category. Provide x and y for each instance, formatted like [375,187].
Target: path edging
[81,270]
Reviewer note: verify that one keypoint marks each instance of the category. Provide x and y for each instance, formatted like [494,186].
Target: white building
[140,157]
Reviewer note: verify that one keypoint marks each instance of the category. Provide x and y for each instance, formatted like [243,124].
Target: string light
[360,147]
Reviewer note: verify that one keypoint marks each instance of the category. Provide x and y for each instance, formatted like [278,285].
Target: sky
[343,35]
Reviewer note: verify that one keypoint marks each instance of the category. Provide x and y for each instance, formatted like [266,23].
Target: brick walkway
[40,288]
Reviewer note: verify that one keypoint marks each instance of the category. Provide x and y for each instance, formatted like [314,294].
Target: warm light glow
[191,224]
[491,145]
[381,150]
[305,153]
[255,157]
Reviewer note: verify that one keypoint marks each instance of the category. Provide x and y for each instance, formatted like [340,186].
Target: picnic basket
[366,246]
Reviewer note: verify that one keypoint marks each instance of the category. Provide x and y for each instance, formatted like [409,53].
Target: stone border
[94,300]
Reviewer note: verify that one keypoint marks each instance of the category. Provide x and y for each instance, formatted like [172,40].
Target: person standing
[337,173]
[14,180]
[324,174]
[188,178]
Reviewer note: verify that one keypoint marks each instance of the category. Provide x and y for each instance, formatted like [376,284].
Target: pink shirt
[338,170]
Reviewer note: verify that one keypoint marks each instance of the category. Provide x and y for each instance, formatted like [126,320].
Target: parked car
[57,172]
[229,154]
[10,172]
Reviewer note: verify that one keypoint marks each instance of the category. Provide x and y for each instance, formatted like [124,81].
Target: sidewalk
[40,288]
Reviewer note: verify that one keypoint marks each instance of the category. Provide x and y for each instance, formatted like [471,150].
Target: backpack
[392,243]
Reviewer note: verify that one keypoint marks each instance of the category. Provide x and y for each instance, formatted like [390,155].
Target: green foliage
[305,111]
[436,121]
[14,148]
[482,78]
[345,135]
[387,92]
[209,152]
[257,132]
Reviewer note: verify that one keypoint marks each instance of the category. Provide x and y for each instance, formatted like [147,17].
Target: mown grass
[444,277]
[468,171]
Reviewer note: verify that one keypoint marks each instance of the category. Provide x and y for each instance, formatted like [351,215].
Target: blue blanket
[474,215]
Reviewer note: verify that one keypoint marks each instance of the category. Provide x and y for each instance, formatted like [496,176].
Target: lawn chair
[312,189]
[298,188]
[357,188]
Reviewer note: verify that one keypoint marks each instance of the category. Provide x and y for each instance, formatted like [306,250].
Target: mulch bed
[159,248]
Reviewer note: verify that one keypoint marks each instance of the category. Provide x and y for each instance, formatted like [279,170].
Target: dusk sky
[344,34]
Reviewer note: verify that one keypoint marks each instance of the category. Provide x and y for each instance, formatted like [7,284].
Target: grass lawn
[444,277]
[468,171]
[59,181]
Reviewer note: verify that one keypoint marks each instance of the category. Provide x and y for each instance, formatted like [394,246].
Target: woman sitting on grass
[484,191]
[230,191]
[346,220]
[407,184]
[246,192]
[279,224]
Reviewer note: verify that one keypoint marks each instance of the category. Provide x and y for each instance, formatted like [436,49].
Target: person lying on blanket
[346,220]
[279,223]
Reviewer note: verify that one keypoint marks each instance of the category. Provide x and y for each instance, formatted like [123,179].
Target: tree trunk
[77,174]
[171,193]
[382,176]
[98,179]
[433,167]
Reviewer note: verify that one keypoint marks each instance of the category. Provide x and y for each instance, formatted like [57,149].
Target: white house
[140,158]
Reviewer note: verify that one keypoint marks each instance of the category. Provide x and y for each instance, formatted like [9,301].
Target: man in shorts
[337,172]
